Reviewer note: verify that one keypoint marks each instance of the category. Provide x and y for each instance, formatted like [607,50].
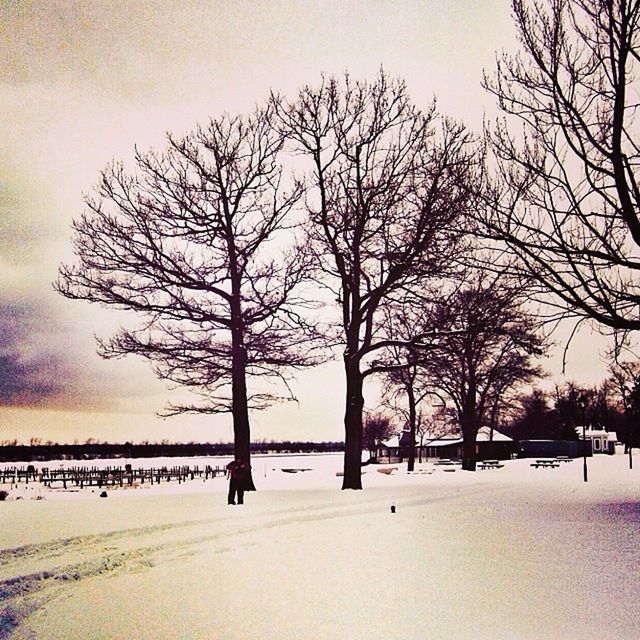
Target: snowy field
[505,554]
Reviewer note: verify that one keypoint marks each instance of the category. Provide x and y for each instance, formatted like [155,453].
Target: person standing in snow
[238,473]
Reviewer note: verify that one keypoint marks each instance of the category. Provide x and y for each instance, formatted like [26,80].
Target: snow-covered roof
[484,435]
[426,441]
[596,433]
[442,442]
[392,442]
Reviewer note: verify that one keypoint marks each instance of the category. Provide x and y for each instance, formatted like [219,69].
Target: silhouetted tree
[486,351]
[387,194]
[594,407]
[537,421]
[606,411]
[377,428]
[632,414]
[405,397]
[196,241]
[434,423]
[572,404]
[404,388]
[545,416]
[625,378]
[565,194]
[501,407]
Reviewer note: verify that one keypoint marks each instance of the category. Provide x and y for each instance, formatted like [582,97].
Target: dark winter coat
[238,472]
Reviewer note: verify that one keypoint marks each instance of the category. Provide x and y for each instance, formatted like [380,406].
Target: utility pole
[582,403]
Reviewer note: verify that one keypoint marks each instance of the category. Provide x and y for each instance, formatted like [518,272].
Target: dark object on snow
[393,508]
[239,474]
[103,494]
[3,495]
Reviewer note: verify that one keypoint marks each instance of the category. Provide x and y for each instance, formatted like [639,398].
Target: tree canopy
[198,241]
[564,196]
[388,189]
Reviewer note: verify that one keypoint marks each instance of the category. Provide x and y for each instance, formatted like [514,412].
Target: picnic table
[545,464]
[445,462]
[490,464]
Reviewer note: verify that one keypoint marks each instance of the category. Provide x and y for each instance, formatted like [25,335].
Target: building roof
[596,433]
[442,442]
[484,435]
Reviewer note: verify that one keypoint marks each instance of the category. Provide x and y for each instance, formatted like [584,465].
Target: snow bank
[511,553]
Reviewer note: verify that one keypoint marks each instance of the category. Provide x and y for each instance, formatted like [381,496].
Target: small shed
[601,441]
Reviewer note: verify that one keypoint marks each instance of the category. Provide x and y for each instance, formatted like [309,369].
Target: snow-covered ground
[514,553]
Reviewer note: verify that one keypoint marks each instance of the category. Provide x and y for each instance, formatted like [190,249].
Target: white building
[601,441]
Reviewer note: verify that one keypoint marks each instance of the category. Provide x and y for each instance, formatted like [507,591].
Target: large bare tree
[487,342]
[565,191]
[388,188]
[399,365]
[197,241]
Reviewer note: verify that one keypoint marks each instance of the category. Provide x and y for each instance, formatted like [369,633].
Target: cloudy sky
[82,82]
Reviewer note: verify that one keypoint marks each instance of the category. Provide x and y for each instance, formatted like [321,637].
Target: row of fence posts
[104,476]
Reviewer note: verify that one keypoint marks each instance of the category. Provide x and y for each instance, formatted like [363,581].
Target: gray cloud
[35,367]
[48,361]
[33,383]
[108,46]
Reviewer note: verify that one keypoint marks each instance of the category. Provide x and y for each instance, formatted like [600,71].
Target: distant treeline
[32,452]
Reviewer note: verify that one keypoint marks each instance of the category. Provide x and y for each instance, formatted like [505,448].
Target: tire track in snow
[111,553]
[54,547]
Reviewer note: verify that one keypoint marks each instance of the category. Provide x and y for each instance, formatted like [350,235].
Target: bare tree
[377,428]
[565,194]
[501,407]
[535,419]
[196,241]
[388,185]
[625,380]
[399,365]
[486,351]
[624,377]
[406,398]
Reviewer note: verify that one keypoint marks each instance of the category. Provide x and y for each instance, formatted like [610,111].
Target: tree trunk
[469,449]
[412,428]
[240,411]
[352,478]
[469,425]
